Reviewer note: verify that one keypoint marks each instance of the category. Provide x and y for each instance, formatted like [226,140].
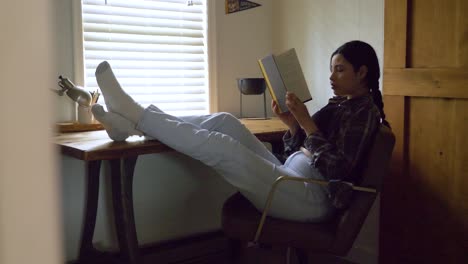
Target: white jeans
[223,143]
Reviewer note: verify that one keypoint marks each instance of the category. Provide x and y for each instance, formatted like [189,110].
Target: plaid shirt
[346,130]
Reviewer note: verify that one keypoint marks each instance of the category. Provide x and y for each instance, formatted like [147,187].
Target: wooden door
[424,217]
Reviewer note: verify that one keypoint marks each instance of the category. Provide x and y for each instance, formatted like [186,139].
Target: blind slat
[151,65]
[154,82]
[138,21]
[162,90]
[142,30]
[152,74]
[143,56]
[134,39]
[141,13]
[177,6]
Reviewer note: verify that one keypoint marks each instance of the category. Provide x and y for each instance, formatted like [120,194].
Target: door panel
[425,84]
[432,33]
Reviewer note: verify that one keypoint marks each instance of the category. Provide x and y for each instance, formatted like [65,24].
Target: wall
[174,196]
[29,198]
[64,107]
[242,38]
[316,28]
[192,202]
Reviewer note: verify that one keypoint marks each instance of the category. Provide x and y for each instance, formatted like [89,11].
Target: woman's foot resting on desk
[117,127]
[117,100]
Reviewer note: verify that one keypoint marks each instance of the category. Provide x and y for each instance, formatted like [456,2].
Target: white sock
[117,100]
[117,127]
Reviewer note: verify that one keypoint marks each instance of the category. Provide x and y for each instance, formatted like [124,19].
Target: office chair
[242,222]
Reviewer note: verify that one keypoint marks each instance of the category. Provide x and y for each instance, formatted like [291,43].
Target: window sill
[77,127]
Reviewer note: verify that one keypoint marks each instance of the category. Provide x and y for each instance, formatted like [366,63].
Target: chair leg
[288,255]
[302,256]
[234,250]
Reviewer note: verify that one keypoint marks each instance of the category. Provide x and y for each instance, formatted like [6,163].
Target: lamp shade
[79,95]
[76,93]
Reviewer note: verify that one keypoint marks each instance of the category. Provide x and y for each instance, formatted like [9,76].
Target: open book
[283,73]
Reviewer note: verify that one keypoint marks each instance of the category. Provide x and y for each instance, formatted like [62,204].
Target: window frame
[210,46]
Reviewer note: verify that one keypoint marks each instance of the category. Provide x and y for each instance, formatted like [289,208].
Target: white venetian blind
[156,49]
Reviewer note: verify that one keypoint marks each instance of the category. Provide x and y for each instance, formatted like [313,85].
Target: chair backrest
[350,221]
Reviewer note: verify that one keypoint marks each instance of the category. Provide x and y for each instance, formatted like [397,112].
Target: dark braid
[359,53]
[377,96]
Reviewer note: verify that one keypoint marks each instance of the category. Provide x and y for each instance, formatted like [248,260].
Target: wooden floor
[249,256]
[209,248]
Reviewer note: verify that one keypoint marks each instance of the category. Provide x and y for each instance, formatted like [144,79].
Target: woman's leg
[252,174]
[228,124]
[117,127]
[119,102]
[116,99]
[240,166]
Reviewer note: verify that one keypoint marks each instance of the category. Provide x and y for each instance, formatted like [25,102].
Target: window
[157,50]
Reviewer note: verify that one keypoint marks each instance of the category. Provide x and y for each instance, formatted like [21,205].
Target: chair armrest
[290,178]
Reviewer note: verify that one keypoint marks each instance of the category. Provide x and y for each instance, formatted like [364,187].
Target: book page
[274,81]
[292,75]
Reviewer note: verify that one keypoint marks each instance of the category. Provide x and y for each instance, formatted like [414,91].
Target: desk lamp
[76,93]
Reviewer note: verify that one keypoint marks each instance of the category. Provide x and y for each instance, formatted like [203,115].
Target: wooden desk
[95,146]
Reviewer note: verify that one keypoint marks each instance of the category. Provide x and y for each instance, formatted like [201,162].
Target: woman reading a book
[337,136]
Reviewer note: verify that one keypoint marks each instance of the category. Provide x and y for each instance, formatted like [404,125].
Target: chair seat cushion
[240,220]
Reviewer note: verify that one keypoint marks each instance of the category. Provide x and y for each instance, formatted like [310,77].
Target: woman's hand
[286,117]
[298,109]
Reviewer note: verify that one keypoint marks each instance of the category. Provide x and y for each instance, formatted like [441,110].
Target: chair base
[240,252]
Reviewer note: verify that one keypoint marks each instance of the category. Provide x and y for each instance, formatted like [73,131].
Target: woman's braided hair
[359,53]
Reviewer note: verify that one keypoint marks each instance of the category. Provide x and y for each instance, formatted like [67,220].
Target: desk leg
[87,250]
[122,195]
[277,146]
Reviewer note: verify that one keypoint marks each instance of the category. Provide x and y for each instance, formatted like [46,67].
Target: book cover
[283,73]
